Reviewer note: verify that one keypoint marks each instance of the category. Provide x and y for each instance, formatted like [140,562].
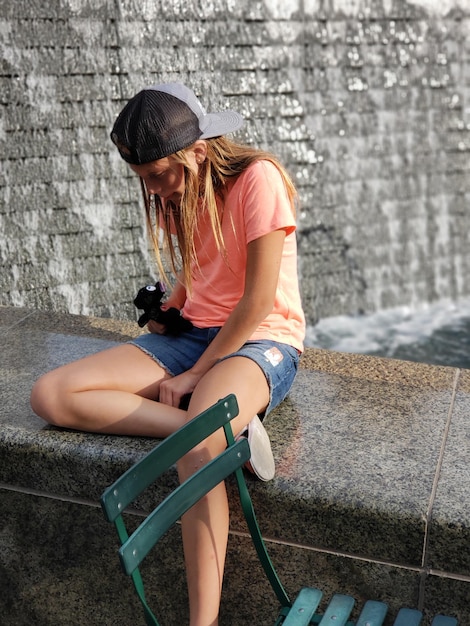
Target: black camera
[149,299]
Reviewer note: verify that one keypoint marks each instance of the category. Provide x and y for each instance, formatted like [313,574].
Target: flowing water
[437,334]
[363,101]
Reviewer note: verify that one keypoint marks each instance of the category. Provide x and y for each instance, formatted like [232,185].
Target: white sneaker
[261,462]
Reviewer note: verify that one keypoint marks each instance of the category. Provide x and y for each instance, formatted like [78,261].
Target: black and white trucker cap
[162,119]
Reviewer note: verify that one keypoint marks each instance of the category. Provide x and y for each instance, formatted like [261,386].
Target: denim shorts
[176,355]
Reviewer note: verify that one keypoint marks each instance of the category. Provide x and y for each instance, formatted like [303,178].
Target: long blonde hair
[225,160]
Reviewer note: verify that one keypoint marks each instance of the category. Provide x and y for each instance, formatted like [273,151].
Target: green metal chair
[134,548]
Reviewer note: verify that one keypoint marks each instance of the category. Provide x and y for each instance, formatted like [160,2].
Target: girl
[227,216]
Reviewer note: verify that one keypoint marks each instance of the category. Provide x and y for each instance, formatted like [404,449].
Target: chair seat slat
[443,620]
[338,610]
[373,614]
[304,607]
[408,617]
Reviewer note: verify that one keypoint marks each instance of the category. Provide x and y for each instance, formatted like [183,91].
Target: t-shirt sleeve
[265,202]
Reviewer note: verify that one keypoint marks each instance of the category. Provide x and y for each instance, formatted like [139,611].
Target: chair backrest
[116,498]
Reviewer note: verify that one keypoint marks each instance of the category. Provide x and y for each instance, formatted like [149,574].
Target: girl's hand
[156,327]
[173,389]
[176,299]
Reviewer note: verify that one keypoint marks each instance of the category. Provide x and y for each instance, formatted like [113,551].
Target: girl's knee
[38,397]
[44,399]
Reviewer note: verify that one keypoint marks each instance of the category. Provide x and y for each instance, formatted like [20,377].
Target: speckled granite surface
[371,494]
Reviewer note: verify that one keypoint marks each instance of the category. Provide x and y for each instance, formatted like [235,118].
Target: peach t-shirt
[255,205]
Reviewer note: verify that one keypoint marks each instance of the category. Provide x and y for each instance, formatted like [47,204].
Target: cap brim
[221,123]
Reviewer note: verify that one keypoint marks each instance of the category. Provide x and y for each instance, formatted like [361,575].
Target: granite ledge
[364,446]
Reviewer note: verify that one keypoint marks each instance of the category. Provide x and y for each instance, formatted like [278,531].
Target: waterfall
[366,104]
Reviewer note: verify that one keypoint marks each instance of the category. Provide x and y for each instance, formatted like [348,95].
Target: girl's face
[165,177]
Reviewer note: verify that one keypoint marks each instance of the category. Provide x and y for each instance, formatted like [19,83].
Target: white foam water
[438,333]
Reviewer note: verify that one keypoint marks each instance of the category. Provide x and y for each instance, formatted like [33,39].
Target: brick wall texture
[367,102]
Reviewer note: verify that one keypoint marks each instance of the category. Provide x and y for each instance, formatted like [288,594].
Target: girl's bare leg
[113,391]
[205,526]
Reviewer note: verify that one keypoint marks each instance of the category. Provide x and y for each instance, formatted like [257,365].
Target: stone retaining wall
[370,497]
